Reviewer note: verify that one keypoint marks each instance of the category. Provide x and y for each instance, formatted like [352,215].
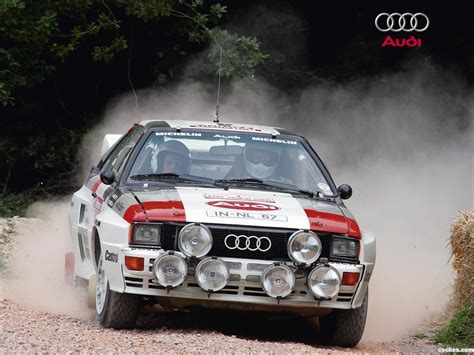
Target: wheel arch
[96,248]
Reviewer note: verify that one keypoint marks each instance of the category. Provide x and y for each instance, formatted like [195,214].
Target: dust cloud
[36,267]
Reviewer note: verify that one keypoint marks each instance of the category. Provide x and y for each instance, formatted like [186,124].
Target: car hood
[235,207]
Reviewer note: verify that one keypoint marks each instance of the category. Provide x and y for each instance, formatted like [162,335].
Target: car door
[89,201]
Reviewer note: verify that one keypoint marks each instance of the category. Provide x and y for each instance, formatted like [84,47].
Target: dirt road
[24,329]
[28,325]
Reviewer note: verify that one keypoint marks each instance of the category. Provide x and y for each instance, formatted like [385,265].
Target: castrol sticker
[244,206]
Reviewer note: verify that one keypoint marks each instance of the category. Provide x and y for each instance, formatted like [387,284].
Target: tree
[61,61]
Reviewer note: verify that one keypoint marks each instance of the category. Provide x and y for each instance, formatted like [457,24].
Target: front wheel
[113,309]
[344,327]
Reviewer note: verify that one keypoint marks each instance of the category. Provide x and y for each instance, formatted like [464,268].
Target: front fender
[113,232]
[367,258]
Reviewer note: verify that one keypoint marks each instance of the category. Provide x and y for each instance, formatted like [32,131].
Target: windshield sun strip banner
[236,127]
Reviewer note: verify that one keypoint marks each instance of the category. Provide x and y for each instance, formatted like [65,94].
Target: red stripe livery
[166,211]
[333,223]
[96,185]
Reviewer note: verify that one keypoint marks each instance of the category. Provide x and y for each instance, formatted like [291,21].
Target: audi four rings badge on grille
[251,243]
[406,22]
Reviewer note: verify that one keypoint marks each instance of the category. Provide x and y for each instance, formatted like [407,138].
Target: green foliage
[40,35]
[148,10]
[43,150]
[459,332]
[79,33]
[27,30]
[46,160]
[241,55]
[61,61]
[15,204]
[217,10]
[5,97]
[107,53]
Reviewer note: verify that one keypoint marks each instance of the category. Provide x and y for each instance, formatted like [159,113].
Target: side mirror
[345,191]
[107,177]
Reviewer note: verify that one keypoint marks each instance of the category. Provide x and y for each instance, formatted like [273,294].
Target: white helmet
[261,159]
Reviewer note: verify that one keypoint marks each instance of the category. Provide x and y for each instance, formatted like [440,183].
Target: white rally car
[224,215]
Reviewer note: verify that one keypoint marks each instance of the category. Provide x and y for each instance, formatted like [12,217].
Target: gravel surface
[25,328]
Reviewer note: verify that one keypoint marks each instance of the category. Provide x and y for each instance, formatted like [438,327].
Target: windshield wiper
[237,181]
[292,188]
[154,176]
[173,176]
[271,183]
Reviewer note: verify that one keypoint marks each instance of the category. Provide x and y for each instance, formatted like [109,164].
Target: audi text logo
[252,243]
[406,22]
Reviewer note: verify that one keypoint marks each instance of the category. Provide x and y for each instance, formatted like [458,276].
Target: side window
[117,156]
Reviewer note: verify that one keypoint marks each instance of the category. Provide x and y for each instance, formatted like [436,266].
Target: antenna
[216,119]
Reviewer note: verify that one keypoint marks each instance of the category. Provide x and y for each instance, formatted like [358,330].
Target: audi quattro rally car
[224,215]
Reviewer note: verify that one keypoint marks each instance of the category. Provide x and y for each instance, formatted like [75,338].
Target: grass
[459,332]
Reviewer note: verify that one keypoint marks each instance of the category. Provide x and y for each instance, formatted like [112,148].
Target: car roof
[206,125]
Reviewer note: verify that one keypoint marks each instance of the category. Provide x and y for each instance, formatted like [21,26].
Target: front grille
[278,237]
[277,251]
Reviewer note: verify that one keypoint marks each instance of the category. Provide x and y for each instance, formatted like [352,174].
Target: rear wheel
[344,327]
[114,310]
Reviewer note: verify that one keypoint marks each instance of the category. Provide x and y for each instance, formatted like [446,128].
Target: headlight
[147,233]
[212,274]
[170,270]
[344,247]
[278,281]
[324,282]
[195,240]
[304,247]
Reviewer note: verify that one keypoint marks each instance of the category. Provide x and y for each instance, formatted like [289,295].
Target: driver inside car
[172,157]
[260,161]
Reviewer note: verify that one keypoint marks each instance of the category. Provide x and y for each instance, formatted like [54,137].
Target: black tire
[344,327]
[120,310]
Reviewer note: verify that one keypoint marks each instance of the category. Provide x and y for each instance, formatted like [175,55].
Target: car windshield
[247,159]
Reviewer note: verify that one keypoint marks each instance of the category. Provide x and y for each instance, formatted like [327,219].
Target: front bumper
[243,289]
